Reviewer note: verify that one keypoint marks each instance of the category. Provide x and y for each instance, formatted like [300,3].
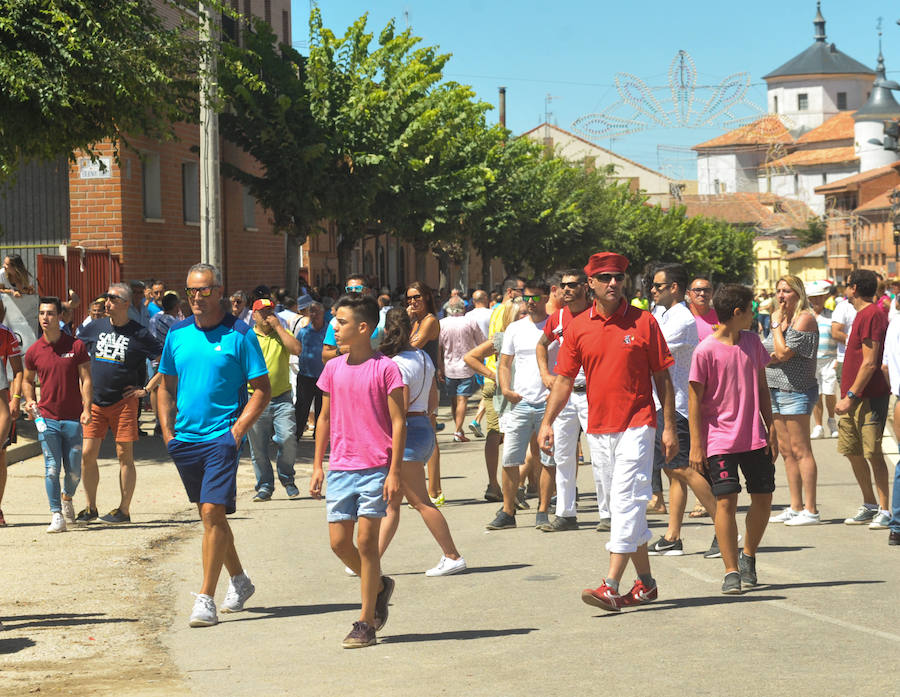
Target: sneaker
[240,588]
[880,522]
[292,491]
[361,636]
[502,521]
[87,515]
[894,538]
[438,501]
[817,432]
[747,568]
[262,495]
[666,548]
[460,437]
[714,552]
[57,523]
[440,426]
[832,428]
[2,520]
[475,428]
[784,516]
[605,525]
[542,518]
[640,594]
[68,511]
[349,571]
[603,597]
[381,602]
[204,614]
[863,516]
[521,502]
[116,516]
[492,495]
[446,567]
[732,583]
[561,523]
[804,517]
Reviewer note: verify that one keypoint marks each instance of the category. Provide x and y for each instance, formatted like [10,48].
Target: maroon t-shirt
[870,323]
[57,368]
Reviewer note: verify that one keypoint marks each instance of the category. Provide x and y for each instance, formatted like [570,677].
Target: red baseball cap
[606,262]
[262,303]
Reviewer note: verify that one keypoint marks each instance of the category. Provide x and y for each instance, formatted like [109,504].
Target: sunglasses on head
[607,277]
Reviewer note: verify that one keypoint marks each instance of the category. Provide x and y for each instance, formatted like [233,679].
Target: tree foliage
[77,72]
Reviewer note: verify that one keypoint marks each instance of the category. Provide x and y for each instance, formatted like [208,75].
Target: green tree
[74,73]
[813,232]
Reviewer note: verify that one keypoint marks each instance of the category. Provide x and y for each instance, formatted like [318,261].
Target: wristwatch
[852,395]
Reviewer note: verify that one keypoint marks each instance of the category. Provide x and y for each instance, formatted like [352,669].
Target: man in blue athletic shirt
[207,361]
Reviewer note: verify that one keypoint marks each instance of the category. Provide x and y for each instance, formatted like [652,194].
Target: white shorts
[826,375]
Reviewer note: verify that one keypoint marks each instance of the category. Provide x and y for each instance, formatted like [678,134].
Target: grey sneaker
[864,516]
[262,495]
[732,583]
[666,548]
[381,602]
[521,503]
[360,636]
[240,588]
[502,521]
[561,523]
[541,519]
[292,491]
[604,525]
[204,614]
[747,567]
[713,551]
[880,522]
[68,511]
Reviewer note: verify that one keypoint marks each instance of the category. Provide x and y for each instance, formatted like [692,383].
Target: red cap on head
[262,303]
[606,262]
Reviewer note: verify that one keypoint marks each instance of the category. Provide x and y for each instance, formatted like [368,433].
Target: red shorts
[121,418]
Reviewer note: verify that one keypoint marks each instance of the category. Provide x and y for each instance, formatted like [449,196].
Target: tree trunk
[443,271]
[344,249]
[421,250]
[464,270]
[293,243]
[486,272]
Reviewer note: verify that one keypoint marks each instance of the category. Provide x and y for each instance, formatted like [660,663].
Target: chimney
[503,107]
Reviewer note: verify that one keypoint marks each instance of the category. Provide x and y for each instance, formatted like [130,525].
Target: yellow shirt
[277,361]
[494,327]
[830,303]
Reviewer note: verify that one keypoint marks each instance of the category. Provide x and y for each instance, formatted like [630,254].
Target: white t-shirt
[892,354]
[482,317]
[520,340]
[843,314]
[417,372]
[680,331]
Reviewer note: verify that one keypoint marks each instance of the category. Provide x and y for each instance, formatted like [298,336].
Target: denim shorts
[208,469]
[419,439]
[353,494]
[790,403]
[519,423]
[461,387]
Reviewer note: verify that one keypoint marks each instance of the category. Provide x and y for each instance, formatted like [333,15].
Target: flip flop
[698,512]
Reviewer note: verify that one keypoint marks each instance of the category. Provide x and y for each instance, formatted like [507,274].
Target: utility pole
[210,220]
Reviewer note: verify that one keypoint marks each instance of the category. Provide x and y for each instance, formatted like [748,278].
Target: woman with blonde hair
[791,376]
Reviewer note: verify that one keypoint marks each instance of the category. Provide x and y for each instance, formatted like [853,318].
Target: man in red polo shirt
[621,348]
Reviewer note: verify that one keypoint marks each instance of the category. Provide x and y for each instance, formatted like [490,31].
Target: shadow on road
[276,611]
[456,636]
[785,549]
[63,619]
[15,645]
[703,601]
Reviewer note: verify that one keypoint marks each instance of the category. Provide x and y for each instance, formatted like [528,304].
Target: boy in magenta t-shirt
[364,417]
[730,415]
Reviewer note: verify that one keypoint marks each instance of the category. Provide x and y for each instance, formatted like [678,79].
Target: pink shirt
[459,335]
[360,419]
[706,324]
[731,422]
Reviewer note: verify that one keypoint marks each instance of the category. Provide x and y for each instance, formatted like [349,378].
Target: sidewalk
[104,610]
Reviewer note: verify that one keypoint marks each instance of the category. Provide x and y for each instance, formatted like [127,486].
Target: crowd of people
[701,383]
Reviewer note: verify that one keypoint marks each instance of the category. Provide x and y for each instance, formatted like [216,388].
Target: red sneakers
[603,597]
[606,598]
[640,594]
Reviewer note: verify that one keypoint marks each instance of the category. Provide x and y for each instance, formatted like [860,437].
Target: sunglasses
[570,284]
[531,298]
[660,286]
[115,298]
[607,277]
[705,289]
[413,298]
[202,291]
[354,289]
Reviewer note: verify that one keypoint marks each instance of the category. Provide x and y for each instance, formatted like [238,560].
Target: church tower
[869,121]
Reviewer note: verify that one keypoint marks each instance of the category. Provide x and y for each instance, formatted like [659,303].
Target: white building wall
[871,156]
[716,170]
[822,99]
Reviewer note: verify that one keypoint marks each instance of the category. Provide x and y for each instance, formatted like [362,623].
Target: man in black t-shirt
[119,348]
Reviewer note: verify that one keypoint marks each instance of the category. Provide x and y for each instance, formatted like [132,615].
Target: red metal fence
[86,271]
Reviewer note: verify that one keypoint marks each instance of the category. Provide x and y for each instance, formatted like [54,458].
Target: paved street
[104,610]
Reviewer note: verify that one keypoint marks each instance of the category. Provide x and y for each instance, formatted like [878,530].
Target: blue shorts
[208,469]
[462,387]
[419,439]
[790,403]
[519,424]
[353,494]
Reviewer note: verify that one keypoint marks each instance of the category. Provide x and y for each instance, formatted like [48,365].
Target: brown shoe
[381,603]
[360,636]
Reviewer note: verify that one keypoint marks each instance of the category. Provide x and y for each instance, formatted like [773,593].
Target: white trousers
[566,429]
[625,460]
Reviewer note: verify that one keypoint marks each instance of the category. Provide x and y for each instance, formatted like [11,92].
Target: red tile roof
[852,183]
[839,127]
[814,250]
[765,131]
[879,203]
[815,157]
[766,212]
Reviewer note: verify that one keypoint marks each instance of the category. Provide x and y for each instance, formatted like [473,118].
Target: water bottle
[39,423]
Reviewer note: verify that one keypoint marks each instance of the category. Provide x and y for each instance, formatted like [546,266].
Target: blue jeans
[895,501]
[277,423]
[61,443]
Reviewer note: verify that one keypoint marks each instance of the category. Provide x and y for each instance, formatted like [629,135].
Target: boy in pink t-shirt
[730,416]
[364,417]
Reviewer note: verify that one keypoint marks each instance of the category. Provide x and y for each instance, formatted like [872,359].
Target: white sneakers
[832,426]
[204,614]
[881,522]
[817,432]
[784,516]
[804,517]
[57,523]
[68,511]
[240,588]
[447,566]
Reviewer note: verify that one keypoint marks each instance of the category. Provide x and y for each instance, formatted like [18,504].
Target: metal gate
[86,271]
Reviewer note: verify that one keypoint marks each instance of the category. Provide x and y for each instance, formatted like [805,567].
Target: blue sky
[573,49]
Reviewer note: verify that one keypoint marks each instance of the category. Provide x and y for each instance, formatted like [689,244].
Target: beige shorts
[860,430]
[491,420]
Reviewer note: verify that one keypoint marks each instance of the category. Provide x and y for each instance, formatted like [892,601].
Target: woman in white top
[421,398]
